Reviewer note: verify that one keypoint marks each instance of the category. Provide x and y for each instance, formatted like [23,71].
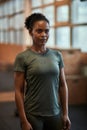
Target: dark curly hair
[30,20]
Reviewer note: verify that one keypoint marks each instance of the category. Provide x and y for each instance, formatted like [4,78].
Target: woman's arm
[19,81]
[63,94]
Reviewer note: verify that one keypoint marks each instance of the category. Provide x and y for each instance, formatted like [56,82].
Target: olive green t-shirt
[42,81]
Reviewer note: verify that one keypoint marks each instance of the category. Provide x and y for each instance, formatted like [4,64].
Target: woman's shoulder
[22,55]
[56,51]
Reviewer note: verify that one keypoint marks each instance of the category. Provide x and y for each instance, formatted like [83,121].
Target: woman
[42,70]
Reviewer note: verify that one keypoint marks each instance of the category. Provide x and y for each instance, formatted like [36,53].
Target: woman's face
[40,33]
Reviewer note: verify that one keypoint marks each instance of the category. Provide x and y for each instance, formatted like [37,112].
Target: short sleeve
[61,61]
[19,63]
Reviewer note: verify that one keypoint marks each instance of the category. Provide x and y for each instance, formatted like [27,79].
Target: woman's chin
[43,43]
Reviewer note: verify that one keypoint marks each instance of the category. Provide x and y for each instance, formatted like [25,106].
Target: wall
[76,75]
[8,53]
[72,61]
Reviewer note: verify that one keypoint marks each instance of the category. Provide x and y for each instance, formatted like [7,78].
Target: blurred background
[68,34]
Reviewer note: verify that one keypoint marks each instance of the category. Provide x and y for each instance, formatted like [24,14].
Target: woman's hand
[26,126]
[66,123]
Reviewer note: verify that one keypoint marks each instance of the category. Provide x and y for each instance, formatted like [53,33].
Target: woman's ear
[30,32]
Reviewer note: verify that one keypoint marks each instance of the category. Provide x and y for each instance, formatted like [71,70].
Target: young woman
[43,102]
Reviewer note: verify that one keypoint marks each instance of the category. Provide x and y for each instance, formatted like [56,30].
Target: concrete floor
[8,120]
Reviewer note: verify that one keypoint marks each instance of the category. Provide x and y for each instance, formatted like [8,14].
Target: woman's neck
[39,49]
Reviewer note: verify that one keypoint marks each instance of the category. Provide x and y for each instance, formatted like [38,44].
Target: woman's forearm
[19,80]
[19,99]
[63,93]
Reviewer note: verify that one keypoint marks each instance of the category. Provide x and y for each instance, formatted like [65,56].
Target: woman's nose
[43,33]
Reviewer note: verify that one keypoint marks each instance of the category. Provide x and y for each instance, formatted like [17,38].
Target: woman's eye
[47,31]
[39,30]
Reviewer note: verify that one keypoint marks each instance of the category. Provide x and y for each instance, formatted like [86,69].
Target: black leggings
[45,123]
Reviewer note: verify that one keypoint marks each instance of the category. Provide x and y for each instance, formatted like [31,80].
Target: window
[62,13]
[36,3]
[49,10]
[63,37]
[79,22]
[79,12]
[80,37]
[47,1]
[51,40]
[12,22]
